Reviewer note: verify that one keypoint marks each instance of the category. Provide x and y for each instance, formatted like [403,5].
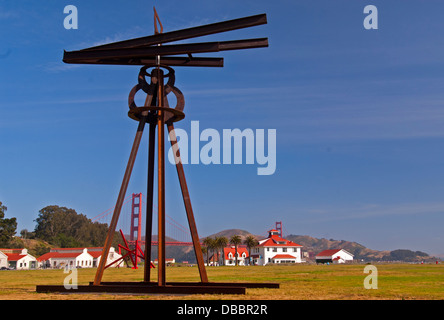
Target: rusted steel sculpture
[132,254]
[156,59]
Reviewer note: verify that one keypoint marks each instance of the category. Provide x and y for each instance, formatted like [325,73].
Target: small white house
[168,261]
[19,259]
[3,260]
[275,249]
[229,259]
[334,256]
[112,256]
[230,256]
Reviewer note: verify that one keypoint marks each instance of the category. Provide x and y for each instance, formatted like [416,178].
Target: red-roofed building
[334,256]
[18,259]
[76,257]
[275,249]
[229,256]
[3,261]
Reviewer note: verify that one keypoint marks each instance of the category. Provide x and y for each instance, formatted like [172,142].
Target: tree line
[8,227]
[59,227]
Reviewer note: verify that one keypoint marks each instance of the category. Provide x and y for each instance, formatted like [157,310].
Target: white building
[334,256]
[3,260]
[230,256]
[76,257]
[275,249]
[112,256]
[168,261]
[18,259]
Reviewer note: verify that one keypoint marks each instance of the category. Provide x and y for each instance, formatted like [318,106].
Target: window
[275,249]
[284,249]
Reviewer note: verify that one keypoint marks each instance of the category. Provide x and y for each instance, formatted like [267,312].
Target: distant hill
[315,245]
[228,233]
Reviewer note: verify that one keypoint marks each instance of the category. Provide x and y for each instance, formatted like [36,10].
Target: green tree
[210,244]
[250,242]
[235,240]
[8,227]
[65,228]
[221,243]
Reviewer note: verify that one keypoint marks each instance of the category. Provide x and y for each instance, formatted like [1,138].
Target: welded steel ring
[136,113]
[149,88]
[132,94]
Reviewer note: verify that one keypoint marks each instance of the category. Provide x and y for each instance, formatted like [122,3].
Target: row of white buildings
[57,258]
[272,250]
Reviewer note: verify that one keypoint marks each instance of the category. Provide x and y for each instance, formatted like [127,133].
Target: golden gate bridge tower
[136,218]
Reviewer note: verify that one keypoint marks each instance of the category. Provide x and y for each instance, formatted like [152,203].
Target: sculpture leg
[120,198]
[161,278]
[187,202]
[149,202]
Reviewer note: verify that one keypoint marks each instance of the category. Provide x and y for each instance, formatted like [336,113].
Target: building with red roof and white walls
[19,259]
[3,260]
[334,256]
[230,256]
[76,257]
[229,259]
[276,249]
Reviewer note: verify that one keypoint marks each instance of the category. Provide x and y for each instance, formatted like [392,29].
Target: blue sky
[358,114]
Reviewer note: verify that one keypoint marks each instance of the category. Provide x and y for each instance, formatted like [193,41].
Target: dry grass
[345,282]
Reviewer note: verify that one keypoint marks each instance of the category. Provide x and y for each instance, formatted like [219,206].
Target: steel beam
[161,278]
[187,203]
[147,289]
[142,52]
[269,285]
[188,33]
[170,61]
[120,198]
[149,202]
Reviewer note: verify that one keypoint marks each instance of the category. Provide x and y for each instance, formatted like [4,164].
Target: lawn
[344,282]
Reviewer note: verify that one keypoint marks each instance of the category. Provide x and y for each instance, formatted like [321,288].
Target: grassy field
[345,282]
